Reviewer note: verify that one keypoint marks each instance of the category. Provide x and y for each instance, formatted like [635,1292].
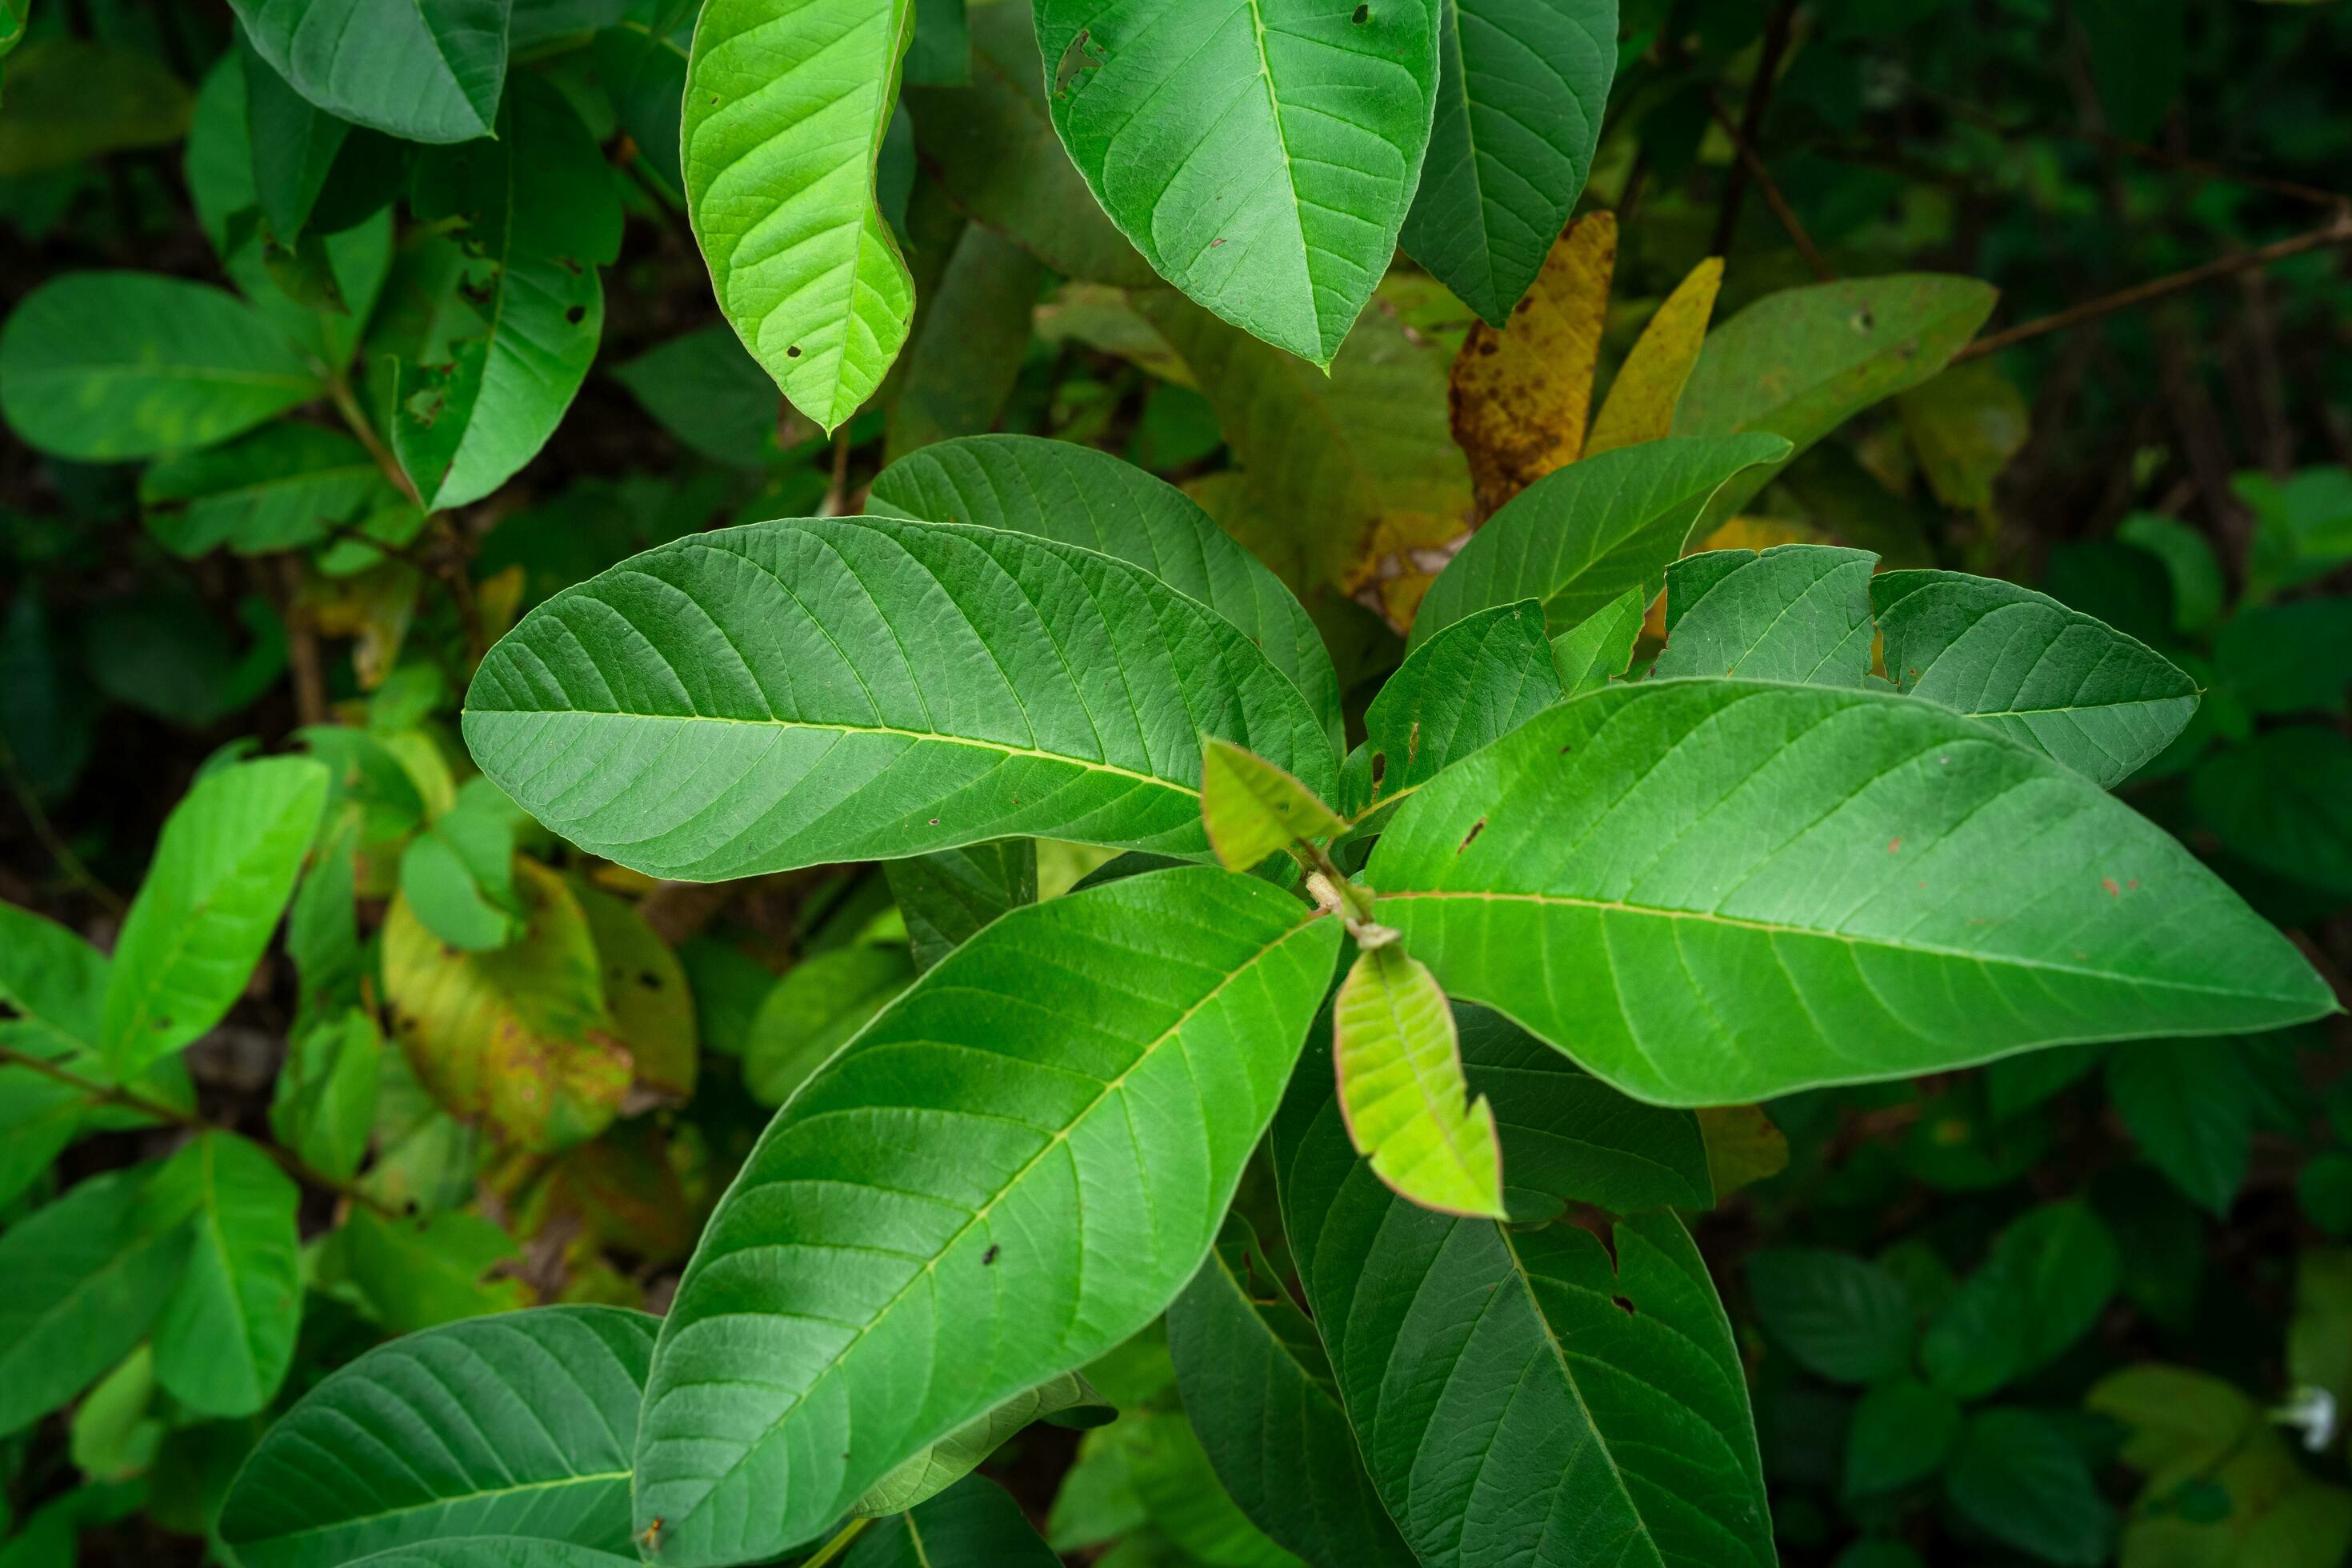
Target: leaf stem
[838,1544]
[110,1094]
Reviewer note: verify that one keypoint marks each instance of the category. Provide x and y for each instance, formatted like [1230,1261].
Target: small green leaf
[2046,1281]
[646,992]
[975,1523]
[1583,536]
[2278,800]
[1843,1318]
[702,388]
[323,1108]
[421,1273]
[1252,808]
[2190,1105]
[2288,659]
[113,1437]
[87,1275]
[283,487]
[1599,647]
[952,1458]
[1258,1390]
[1183,1502]
[223,871]
[1177,1003]
[2198,589]
[969,342]
[493,1551]
[102,366]
[946,897]
[518,1424]
[780,98]
[294,144]
[1402,1090]
[2016,1477]
[1328,106]
[1901,1433]
[819,1003]
[227,1336]
[427,71]
[1796,612]
[2058,681]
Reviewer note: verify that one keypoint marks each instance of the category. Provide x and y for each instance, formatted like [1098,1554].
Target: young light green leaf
[1801,363]
[809,1013]
[946,897]
[518,1424]
[786,102]
[425,70]
[1253,809]
[1584,535]
[223,871]
[540,215]
[227,1335]
[952,1458]
[991,147]
[1843,1318]
[1060,490]
[2058,680]
[1783,938]
[87,1275]
[814,690]
[1516,1388]
[1473,683]
[283,487]
[1599,647]
[1328,107]
[1258,1390]
[103,366]
[975,1523]
[1795,612]
[1401,1092]
[1519,97]
[1177,1004]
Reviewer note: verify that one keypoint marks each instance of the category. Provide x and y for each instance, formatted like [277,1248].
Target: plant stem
[2338,232]
[71,863]
[838,1544]
[1752,120]
[109,1094]
[339,392]
[1772,196]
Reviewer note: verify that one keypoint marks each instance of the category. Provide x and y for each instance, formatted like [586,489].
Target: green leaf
[1801,363]
[1796,612]
[281,488]
[645,992]
[2016,1477]
[2199,591]
[1708,923]
[1843,1318]
[2048,1278]
[2278,800]
[1258,1390]
[1489,1439]
[40,1118]
[1599,647]
[1407,1106]
[1901,1433]
[702,388]
[975,1523]
[416,1274]
[778,96]
[112,1436]
[518,1424]
[539,214]
[949,1460]
[2190,1105]
[493,1551]
[53,984]
[426,70]
[1183,1503]
[947,898]
[102,366]
[324,1106]
[71,99]
[294,144]
[992,148]
[1473,683]
[1143,1077]
[1570,1138]
[819,1003]
[2056,680]
[223,871]
[1582,536]
[87,1275]
[1253,809]
[1332,105]
[227,1335]
[1519,98]
[2288,659]
[1075,495]
[970,344]
[892,687]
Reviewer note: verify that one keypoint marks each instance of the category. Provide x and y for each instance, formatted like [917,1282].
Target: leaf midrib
[252,1545]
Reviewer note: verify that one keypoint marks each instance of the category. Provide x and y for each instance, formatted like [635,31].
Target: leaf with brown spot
[645,992]
[1521,394]
[1640,402]
[1743,1147]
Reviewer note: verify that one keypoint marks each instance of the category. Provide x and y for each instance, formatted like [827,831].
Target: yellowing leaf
[1640,402]
[1521,394]
[1254,809]
[1743,1147]
[1401,1089]
[1965,425]
[645,992]
[517,1037]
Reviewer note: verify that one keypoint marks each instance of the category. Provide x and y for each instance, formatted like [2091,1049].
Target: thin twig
[339,392]
[837,494]
[1752,120]
[1772,196]
[838,1544]
[302,646]
[71,863]
[109,1094]
[2336,233]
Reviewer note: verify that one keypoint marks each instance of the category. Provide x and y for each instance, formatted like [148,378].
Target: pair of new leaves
[1706,891]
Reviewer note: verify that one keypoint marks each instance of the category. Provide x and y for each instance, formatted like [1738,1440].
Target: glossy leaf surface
[1710,892]
[1253,809]
[1795,612]
[426,70]
[800,692]
[905,1249]
[948,896]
